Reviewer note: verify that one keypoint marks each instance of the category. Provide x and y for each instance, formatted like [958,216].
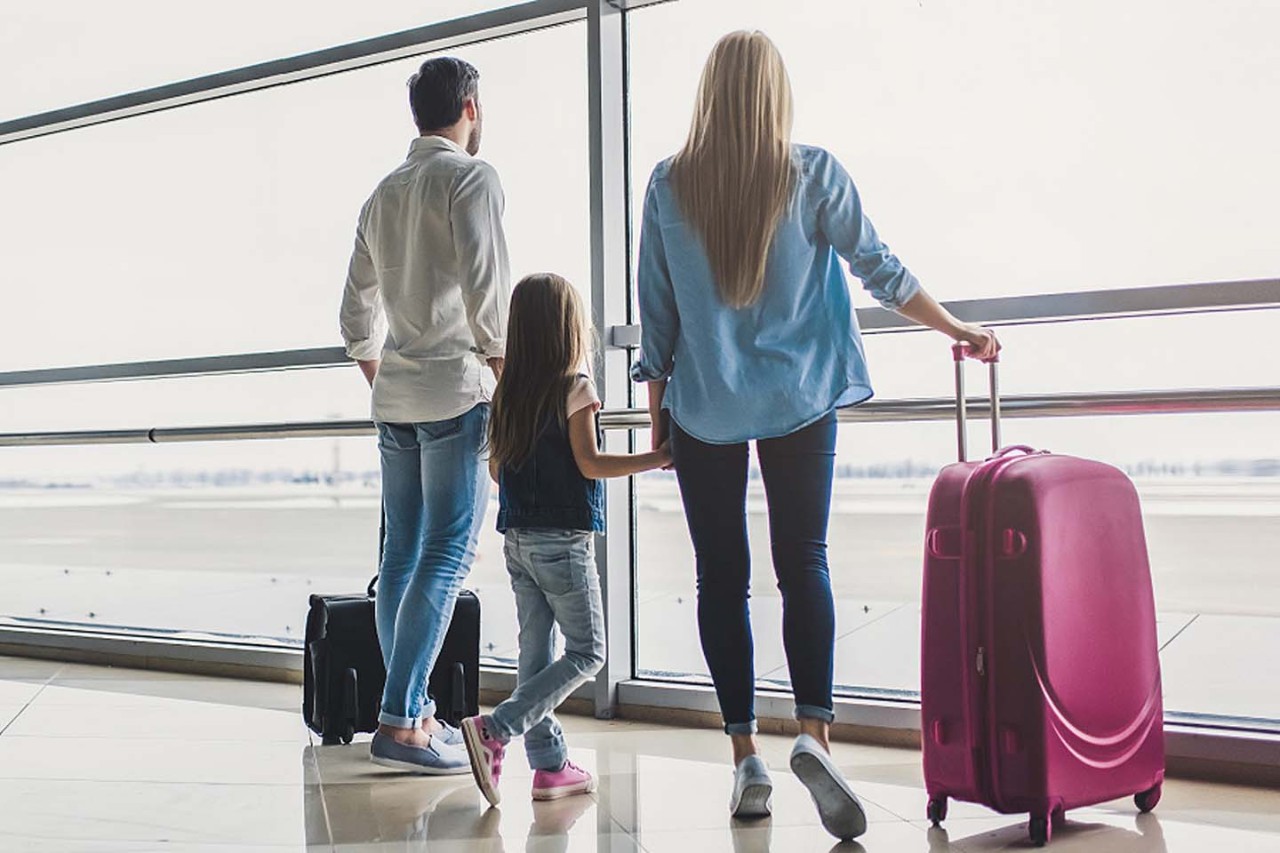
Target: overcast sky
[1001,148]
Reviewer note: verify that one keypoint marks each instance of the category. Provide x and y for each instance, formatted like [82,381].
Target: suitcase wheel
[1146,800]
[937,810]
[348,732]
[331,740]
[1041,830]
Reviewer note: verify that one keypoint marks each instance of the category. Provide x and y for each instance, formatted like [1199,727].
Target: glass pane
[295,395]
[1212,516]
[1219,350]
[56,53]
[1012,149]
[227,226]
[227,539]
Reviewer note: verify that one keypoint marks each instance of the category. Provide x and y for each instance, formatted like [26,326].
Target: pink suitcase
[1041,680]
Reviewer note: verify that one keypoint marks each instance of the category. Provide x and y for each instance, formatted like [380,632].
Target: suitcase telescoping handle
[959,352]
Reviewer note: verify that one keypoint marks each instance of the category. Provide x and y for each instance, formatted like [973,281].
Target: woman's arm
[659,316]
[598,466]
[660,432]
[925,310]
[846,226]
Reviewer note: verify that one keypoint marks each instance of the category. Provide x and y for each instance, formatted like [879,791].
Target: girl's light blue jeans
[435,487]
[553,575]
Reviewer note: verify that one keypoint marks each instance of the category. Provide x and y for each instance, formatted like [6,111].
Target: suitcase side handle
[959,352]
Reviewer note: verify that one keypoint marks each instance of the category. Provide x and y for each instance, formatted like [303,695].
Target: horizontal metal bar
[1012,310]
[1095,305]
[1178,401]
[213,365]
[445,35]
[877,411]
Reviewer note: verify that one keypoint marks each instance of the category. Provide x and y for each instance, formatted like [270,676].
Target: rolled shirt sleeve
[484,268]
[854,238]
[362,318]
[659,317]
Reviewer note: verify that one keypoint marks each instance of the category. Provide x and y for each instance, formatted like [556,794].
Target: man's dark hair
[438,90]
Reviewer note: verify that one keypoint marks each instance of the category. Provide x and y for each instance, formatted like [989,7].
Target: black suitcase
[343,672]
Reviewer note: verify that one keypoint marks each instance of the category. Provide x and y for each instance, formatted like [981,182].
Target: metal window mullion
[609,205]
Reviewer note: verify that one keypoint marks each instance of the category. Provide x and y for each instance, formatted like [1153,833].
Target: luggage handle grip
[959,352]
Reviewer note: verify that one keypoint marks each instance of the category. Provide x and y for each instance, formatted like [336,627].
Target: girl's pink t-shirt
[581,395]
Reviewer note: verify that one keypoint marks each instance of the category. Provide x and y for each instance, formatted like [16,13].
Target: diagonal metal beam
[446,35]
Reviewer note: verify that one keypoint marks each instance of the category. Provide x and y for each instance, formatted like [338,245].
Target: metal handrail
[1183,401]
[1004,311]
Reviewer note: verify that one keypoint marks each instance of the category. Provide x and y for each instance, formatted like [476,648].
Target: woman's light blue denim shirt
[782,363]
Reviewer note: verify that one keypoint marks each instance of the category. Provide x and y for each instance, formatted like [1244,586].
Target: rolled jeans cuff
[747,728]
[547,756]
[399,722]
[813,712]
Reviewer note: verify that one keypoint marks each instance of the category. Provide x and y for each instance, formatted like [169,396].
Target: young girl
[545,457]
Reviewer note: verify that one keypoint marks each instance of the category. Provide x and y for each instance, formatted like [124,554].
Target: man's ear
[470,109]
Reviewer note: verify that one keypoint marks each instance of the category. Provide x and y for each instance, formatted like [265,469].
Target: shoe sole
[420,769]
[839,809]
[544,794]
[756,801]
[475,753]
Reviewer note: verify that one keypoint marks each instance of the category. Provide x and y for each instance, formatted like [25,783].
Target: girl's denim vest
[548,492]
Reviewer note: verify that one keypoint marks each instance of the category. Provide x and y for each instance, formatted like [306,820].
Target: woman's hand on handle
[983,343]
[926,311]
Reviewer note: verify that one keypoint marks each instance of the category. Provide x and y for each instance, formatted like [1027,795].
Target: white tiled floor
[112,760]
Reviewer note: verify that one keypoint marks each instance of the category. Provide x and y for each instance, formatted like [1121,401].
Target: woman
[749,334]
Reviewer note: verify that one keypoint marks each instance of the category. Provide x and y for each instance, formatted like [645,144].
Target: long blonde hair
[547,344]
[735,175]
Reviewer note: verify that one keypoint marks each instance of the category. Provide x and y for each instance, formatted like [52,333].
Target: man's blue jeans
[435,487]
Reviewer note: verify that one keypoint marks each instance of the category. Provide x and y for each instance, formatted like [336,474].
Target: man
[429,275]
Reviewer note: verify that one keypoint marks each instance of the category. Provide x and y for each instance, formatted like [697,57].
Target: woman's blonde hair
[547,344]
[735,175]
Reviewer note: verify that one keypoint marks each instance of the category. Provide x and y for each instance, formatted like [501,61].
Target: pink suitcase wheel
[937,810]
[1146,800]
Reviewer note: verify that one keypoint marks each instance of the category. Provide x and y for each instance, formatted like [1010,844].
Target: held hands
[660,439]
[983,344]
[663,452]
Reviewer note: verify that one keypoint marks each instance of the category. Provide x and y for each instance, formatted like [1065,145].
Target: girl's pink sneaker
[485,752]
[565,782]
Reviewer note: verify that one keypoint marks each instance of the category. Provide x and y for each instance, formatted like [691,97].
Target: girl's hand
[983,344]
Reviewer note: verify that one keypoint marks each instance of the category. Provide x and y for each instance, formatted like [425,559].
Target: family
[748,334]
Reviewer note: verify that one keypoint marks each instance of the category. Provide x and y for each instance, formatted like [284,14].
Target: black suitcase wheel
[1146,800]
[1041,830]
[350,704]
[937,810]
[330,736]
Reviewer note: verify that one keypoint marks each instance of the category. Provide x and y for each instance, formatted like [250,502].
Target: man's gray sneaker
[838,807]
[752,789]
[448,734]
[435,759]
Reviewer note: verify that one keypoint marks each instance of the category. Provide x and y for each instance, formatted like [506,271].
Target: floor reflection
[1147,836]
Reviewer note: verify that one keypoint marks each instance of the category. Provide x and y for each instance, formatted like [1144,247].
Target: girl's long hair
[547,344]
[735,175]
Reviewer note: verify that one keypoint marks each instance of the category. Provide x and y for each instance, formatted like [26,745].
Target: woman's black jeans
[797,471]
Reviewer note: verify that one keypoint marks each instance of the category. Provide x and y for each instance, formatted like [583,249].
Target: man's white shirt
[429,284]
